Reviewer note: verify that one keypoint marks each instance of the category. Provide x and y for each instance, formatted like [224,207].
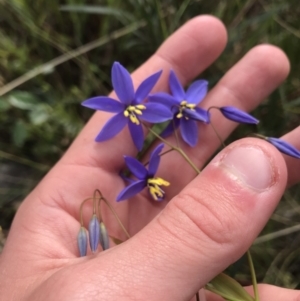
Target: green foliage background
[40,112]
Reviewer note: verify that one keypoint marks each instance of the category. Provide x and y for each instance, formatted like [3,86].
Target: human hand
[208,222]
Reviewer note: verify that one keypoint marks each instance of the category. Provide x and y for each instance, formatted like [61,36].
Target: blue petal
[131,190]
[173,125]
[164,99]
[113,126]
[156,113]
[189,131]
[136,167]
[137,134]
[197,114]
[94,232]
[197,91]
[176,87]
[237,115]
[154,160]
[204,113]
[284,147]
[122,83]
[146,86]
[103,103]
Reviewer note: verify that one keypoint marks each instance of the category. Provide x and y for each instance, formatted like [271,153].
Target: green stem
[162,154]
[180,151]
[217,134]
[24,161]
[253,276]
[80,210]
[116,216]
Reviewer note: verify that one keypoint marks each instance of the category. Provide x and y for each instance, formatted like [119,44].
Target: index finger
[189,51]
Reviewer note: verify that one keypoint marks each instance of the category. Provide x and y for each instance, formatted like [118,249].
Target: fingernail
[249,165]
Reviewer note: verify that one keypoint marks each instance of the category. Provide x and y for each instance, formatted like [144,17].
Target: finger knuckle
[209,219]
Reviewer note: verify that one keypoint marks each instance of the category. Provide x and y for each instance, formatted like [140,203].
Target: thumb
[208,226]
[205,228]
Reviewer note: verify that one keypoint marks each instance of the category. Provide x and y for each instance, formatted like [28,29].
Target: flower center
[133,111]
[183,106]
[154,188]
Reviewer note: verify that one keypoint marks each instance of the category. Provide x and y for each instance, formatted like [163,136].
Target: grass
[56,53]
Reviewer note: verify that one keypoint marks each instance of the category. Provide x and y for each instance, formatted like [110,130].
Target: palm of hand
[41,256]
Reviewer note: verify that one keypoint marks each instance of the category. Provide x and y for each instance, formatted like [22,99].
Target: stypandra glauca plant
[181,113]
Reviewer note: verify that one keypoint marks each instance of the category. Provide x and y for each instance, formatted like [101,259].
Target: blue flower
[146,178]
[130,109]
[104,238]
[284,147]
[237,115]
[184,108]
[82,241]
[94,233]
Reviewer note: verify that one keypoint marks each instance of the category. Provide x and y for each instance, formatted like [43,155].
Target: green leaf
[95,9]
[4,105]
[22,100]
[40,114]
[228,288]
[19,133]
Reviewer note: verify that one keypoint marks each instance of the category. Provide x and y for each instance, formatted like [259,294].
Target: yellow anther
[154,187]
[152,192]
[126,113]
[183,103]
[139,112]
[134,119]
[179,115]
[156,192]
[158,181]
[131,108]
[191,106]
[140,107]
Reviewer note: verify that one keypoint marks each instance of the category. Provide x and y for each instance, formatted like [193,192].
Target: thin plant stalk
[253,276]
[116,216]
[179,150]
[70,55]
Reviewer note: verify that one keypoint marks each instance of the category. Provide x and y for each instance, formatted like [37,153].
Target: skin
[179,244]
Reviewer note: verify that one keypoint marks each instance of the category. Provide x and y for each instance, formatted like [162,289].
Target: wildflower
[145,177]
[284,147]
[94,233]
[183,106]
[237,115]
[104,238]
[82,241]
[130,109]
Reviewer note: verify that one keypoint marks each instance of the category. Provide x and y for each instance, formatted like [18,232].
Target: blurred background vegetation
[54,54]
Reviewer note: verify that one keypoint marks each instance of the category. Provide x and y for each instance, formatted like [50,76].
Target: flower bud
[94,232]
[284,147]
[104,238]
[237,115]
[82,241]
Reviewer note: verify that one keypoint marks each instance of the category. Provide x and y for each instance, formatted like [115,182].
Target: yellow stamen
[158,181]
[179,115]
[139,112]
[154,187]
[132,111]
[191,106]
[134,119]
[140,107]
[183,103]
